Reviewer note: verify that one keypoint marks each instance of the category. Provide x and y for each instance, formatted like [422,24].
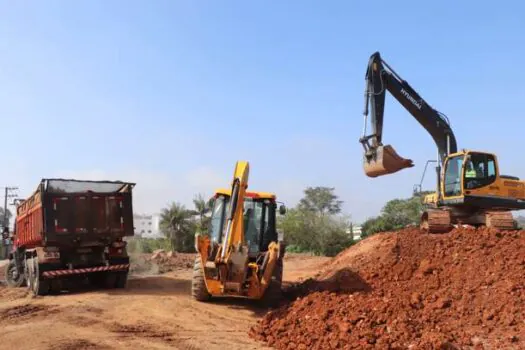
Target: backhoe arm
[379,159]
[233,235]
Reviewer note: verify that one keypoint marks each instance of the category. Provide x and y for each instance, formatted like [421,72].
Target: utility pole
[8,194]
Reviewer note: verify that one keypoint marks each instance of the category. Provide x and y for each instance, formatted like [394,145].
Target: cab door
[452,184]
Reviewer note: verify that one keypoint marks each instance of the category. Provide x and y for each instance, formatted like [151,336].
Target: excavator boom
[382,159]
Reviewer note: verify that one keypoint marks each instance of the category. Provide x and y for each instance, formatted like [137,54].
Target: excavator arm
[382,159]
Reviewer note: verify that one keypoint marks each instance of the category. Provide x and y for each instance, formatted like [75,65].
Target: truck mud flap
[67,272]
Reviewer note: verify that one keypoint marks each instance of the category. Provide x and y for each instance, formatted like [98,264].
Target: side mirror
[282,209]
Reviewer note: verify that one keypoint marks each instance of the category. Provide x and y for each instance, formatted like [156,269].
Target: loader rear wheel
[273,294]
[198,284]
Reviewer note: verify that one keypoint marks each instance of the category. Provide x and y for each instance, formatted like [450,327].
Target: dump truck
[71,230]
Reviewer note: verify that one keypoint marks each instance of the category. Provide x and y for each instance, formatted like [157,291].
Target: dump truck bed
[66,212]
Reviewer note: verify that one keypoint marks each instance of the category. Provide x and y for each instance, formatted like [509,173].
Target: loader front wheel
[198,284]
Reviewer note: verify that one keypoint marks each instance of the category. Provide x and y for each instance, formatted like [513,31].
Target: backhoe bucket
[385,161]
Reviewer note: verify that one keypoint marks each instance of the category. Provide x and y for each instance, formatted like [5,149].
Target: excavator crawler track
[436,221]
[501,220]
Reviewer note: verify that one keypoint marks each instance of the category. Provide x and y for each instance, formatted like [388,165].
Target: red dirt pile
[408,290]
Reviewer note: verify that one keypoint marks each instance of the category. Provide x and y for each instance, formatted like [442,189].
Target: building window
[149,231]
[149,223]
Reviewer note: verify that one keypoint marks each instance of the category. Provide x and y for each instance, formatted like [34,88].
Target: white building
[354,232]
[147,226]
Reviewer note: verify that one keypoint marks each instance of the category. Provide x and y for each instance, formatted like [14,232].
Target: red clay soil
[160,262]
[408,290]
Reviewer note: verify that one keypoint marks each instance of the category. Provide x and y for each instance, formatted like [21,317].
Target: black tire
[110,280]
[274,294]
[122,279]
[10,272]
[55,286]
[29,272]
[40,285]
[198,284]
[97,279]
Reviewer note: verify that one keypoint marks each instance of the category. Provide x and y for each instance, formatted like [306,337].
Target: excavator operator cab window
[480,170]
[452,181]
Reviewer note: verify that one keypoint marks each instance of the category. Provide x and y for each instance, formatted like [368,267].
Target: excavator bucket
[385,161]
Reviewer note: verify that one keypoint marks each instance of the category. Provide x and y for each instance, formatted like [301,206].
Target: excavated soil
[160,262]
[409,290]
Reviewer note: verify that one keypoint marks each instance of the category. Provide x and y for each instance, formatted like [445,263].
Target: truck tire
[29,274]
[10,272]
[55,286]
[122,279]
[273,294]
[40,285]
[110,280]
[198,284]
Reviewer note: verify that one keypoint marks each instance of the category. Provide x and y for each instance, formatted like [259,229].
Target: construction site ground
[155,311]
[398,290]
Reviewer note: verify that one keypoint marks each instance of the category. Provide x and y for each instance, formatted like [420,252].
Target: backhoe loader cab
[259,217]
[241,255]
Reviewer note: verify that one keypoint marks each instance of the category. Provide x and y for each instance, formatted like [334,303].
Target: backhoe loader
[470,189]
[241,256]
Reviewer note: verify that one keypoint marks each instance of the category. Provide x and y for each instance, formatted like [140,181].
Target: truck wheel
[29,273]
[40,285]
[198,284]
[122,279]
[13,277]
[55,286]
[110,280]
[273,294]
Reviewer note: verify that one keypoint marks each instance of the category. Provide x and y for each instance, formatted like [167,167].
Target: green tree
[314,224]
[9,216]
[395,214]
[176,224]
[202,207]
[321,200]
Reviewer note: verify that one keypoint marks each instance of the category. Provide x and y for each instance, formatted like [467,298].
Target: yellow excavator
[470,189]
[242,255]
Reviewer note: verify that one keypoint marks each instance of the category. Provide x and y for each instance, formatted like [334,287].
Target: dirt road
[153,312]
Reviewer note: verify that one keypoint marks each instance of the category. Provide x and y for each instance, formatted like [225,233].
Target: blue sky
[171,93]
